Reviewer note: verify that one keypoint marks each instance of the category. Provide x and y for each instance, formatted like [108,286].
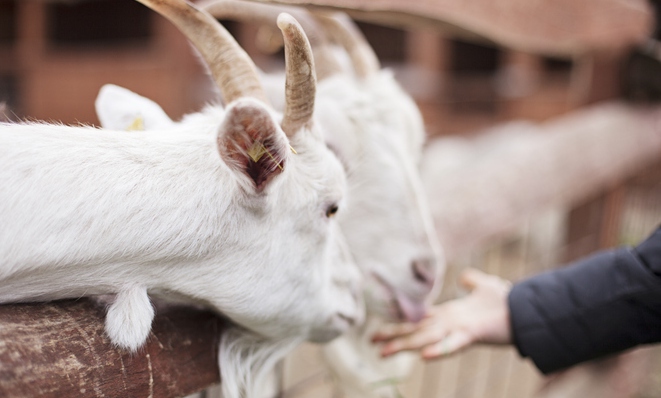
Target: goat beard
[246,360]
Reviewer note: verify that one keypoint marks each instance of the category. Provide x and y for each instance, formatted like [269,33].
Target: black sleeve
[597,306]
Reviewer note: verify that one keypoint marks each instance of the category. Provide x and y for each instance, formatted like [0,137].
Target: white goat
[388,224]
[218,212]
[378,132]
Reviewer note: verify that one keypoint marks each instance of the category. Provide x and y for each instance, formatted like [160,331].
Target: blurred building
[55,55]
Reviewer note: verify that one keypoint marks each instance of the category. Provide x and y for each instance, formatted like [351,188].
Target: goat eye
[332,209]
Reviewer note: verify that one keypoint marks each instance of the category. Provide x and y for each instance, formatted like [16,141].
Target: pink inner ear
[252,144]
[267,165]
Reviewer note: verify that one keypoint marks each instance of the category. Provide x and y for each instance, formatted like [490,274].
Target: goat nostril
[351,321]
[418,275]
[423,271]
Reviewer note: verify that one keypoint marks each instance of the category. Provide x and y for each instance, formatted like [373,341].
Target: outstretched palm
[480,317]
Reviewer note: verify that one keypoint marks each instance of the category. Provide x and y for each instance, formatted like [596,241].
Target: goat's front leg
[129,318]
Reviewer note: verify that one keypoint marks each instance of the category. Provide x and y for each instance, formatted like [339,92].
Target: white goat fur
[387,222]
[88,212]
[378,132]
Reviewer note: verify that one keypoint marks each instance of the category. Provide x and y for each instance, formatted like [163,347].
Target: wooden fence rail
[550,27]
[523,169]
[59,349]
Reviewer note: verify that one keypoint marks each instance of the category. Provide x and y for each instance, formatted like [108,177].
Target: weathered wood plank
[59,349]
[553,27]
[483,189]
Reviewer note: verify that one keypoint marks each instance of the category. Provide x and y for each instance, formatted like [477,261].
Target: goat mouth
[402,307]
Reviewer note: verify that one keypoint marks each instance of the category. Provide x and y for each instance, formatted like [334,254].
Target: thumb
[472,278]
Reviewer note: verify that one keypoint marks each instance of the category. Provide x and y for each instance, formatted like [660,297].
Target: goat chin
[361,371]
[247,362]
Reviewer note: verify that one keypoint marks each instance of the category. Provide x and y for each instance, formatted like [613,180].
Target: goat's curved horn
[344,31]
[232,69]
[266,14]
[301,81]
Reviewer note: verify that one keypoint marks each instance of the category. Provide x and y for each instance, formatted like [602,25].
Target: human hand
[480,317]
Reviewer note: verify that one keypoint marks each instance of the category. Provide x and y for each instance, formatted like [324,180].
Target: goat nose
[424,271]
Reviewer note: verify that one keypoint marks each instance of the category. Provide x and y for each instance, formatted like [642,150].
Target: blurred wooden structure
[472,65]
[561,28]
[60,350]
[55,56]
[488,186]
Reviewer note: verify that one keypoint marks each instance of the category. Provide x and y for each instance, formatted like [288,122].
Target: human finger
[471,278]
[452,343]
[389,332]
[413,341]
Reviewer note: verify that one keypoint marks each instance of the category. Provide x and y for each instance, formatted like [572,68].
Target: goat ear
[252,143]
[122,109]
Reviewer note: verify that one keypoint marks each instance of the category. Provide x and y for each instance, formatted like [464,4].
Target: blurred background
[56,55]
